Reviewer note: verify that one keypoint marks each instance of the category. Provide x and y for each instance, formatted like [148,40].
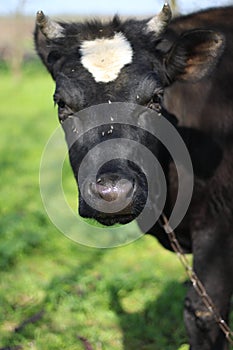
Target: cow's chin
[110,221]
[107,219]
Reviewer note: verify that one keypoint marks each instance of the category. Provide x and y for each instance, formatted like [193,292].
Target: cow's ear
[194,55]
[48,35]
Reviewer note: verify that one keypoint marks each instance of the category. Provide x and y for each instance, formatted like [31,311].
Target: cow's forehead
[104,58]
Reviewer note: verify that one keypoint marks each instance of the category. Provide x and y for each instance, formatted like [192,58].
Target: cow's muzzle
[110,194]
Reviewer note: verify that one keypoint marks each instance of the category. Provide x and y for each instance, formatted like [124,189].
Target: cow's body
[204,110]
[207,106]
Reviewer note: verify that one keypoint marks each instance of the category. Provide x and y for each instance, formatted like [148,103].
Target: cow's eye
[61,104]
[156,99]
[155,102]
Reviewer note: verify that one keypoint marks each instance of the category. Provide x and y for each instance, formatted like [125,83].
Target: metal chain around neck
[197,284]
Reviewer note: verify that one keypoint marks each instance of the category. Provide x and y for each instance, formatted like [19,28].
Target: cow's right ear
[47,35]
[194,55]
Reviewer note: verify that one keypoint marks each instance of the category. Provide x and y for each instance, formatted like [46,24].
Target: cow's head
[131,61]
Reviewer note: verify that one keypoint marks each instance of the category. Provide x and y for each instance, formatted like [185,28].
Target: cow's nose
[110,194]
[112,188]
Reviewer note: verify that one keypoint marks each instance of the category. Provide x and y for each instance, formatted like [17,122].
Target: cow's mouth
[112,199]
[109,198]
[117,219]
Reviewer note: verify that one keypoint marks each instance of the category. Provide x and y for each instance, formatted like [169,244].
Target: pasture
[54,293]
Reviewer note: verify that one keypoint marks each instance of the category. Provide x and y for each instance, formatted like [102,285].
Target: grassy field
[54,293]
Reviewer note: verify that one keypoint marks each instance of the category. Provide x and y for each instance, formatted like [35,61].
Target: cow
[183,68]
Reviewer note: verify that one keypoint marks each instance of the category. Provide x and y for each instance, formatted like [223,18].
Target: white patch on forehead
[104,58]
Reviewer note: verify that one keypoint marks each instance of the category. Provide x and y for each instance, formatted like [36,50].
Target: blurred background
[54,293]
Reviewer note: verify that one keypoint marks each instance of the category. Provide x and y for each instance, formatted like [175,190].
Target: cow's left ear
[194,55]
[47,35]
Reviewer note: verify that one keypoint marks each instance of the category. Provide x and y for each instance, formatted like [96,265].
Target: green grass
[54,293]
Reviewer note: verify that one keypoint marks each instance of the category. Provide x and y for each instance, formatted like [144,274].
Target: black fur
[191,64]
